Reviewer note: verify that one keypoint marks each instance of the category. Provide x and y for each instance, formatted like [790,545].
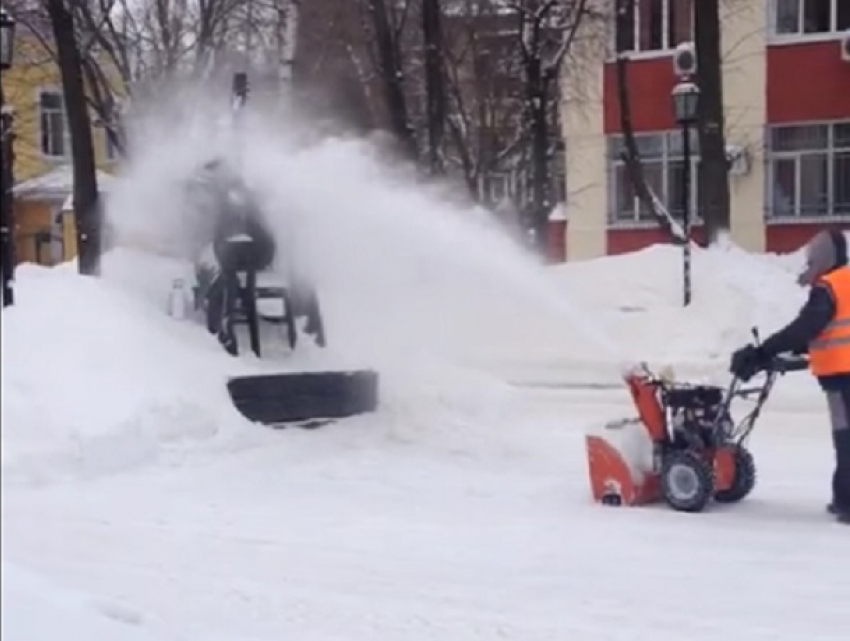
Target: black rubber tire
[679,465]
[280,399]
[745,478]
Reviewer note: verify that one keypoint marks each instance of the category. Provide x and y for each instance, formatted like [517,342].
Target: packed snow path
[341,534]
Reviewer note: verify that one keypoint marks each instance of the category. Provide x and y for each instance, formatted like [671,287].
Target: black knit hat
[825,251]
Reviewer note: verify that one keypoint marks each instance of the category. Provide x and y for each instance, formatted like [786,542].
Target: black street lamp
[7,220]
[7,39]
[686,110]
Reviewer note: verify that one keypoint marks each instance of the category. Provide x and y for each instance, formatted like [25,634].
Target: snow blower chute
[684,447]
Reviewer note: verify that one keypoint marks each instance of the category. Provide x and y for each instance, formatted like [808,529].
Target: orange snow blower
[684,447]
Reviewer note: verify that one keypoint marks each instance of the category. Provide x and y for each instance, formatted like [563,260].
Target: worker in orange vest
[822,331]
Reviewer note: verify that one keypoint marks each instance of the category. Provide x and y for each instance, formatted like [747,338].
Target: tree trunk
[86,201]
[631,155]
[287,43]
[435,85]
[392,76]
[541,184]
[7,220]
[538,128]
[713,174]
[102,101]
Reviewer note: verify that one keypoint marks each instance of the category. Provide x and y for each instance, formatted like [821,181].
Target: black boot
[840,505]
[837,510]
[226,333]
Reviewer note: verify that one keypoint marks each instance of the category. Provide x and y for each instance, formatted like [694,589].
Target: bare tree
[387,21]
[286,32]
[484,101]
[546,30]
[713,194]
[86,200]
[128,47]
[630,153]
[435,83]
[334,78]
[714,199]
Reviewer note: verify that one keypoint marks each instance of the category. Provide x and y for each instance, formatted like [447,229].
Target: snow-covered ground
[138,504]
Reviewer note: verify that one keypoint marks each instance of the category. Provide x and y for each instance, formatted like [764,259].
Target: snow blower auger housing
[684,448]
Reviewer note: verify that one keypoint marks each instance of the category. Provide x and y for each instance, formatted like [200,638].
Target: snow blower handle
[735,390]
[784,364]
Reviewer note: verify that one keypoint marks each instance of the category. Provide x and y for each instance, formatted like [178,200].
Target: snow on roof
[558,213]
[56,183]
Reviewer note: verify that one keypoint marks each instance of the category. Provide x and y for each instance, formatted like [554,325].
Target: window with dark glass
[807,17]
[654,25]
[662,159]
[809,171]
[52,124]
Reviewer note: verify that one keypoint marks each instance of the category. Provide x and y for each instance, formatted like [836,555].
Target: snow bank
[96,378]
[639,297]
[34,609]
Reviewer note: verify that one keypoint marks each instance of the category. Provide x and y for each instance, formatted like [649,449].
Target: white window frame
[492,183]
[66,134]
[643,54]
[615,221]
[830,150]
[800,36]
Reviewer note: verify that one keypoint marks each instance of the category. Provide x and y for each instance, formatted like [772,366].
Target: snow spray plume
[399,270]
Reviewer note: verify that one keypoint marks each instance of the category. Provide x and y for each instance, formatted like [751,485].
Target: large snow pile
[639,298]
[344,533]
[95,376]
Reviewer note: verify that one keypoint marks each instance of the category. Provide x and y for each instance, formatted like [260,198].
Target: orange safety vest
[829,352]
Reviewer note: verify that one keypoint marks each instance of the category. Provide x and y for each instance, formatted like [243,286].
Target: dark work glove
[747,362]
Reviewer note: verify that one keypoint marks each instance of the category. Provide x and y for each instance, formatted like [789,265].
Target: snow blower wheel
[744,480]
[687,481]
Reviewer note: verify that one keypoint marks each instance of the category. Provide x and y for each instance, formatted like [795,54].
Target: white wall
[745,98]
[585,156]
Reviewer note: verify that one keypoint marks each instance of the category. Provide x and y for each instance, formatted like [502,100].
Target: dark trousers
[839,413]
[224,291]
[221,305]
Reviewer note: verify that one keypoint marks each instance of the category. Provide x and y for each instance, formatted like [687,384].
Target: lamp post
[686,109]
[7,220]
